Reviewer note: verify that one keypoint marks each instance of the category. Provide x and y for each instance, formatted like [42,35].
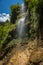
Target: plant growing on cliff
[33,16]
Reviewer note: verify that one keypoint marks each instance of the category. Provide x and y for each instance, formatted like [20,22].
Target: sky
[5,5]
[5,8]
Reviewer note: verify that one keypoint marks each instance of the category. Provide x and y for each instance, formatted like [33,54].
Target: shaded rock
[36,56]
[30,64]
[41,63]
[33,44]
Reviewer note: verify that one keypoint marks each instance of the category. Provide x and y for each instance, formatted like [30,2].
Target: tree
[15,10]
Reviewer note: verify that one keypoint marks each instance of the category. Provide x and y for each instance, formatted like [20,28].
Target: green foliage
[1,30]
[4,32]
[14,41]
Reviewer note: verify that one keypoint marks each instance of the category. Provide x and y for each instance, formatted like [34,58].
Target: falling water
[21,21]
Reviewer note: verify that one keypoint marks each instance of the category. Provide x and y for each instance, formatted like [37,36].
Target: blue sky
[5,5]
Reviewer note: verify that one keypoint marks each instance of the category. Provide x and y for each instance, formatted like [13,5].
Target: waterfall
[21,21]
[22,9]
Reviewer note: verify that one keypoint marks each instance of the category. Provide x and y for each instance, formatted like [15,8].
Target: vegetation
[35,16]
[33,26]
[4,32]
[15,11]
[35,10]
[9,26]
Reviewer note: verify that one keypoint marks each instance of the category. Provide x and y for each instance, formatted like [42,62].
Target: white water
[21,21]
